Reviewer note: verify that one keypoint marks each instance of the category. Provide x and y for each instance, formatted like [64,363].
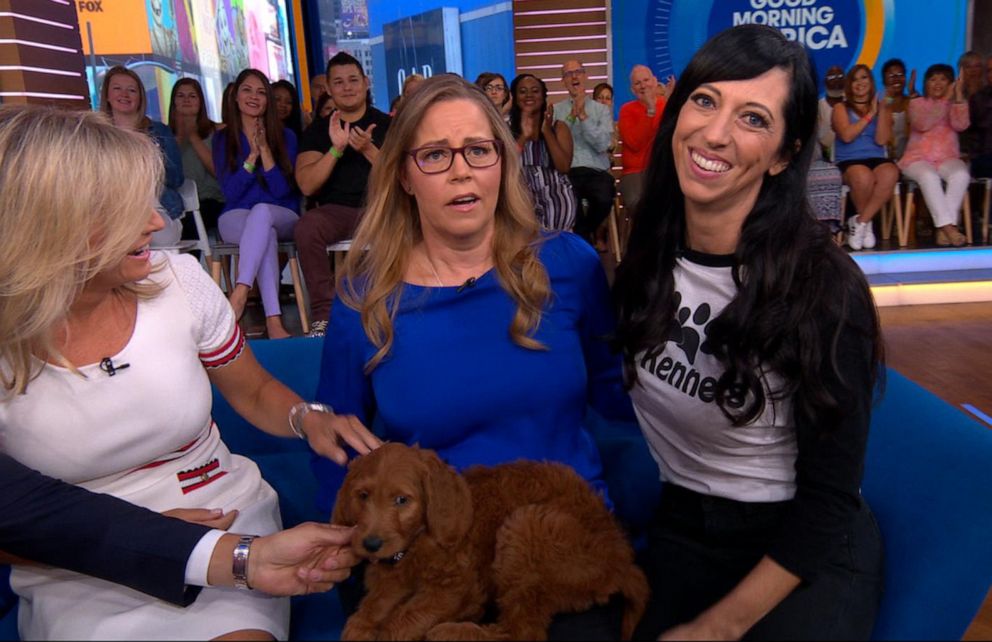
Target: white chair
[191,207]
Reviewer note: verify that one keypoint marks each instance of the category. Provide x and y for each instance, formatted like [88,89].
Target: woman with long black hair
[751,343]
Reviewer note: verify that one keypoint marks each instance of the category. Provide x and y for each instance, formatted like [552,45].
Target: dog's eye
[363,495]
[400,500]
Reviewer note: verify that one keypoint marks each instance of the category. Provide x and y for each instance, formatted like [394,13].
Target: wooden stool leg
[896,204]
[614,230]
[886,221]
[908,220]
[215,269]
[301,304]
[967,217]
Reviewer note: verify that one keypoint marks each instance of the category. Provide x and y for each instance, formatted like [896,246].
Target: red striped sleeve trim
[227,353]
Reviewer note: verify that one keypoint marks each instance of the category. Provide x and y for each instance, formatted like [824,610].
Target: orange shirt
[637,131]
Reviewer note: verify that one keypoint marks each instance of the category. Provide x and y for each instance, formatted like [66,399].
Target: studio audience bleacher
[336,156]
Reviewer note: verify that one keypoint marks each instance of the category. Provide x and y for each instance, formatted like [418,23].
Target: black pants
[597,187]
[209,212]
[598,623]
[700,547]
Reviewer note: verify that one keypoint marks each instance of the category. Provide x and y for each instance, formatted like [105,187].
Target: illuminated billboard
[164,40]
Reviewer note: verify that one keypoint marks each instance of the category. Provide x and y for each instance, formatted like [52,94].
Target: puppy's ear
[449,502]
[344,504]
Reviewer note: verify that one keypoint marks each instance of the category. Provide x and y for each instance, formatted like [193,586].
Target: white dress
[144,435]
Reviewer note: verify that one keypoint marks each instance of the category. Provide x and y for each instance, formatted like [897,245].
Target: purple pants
[257,231]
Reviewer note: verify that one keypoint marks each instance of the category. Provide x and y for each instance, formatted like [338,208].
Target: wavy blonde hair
[77,193]
[371,281]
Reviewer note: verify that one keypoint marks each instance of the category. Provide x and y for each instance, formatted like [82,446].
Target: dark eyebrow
[751,104]
[443,142]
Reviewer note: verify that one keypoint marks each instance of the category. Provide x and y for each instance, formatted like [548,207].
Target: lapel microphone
[469,283]
[107,365]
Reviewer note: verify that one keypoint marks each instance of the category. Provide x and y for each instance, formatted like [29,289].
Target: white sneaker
[855,233]
[868,242]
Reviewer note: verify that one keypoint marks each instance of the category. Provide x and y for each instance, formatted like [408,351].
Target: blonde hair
[143,122]
[371,281]
[77,193]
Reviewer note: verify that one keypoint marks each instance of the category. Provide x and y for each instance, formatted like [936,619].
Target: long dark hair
[515,113]
[293,122]
[273,128]
[204,126]
[792,279]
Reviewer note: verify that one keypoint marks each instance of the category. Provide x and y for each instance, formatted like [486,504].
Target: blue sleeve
[234,184]
[343,383]
[279,187]
[606,392]
[173,161]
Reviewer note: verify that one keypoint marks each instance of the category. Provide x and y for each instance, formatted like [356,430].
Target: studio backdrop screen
[164,40]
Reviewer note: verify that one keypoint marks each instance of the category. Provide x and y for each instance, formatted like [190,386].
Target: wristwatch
[239,564]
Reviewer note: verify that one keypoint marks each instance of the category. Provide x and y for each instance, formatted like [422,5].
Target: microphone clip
[469,283]
[107,365]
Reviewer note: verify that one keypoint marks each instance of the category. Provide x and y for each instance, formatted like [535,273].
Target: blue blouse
[244,190]
[455,382]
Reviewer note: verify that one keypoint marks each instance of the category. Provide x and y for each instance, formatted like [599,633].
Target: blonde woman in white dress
[107,355]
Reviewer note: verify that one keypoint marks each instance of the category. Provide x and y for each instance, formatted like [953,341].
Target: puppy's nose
[372,543]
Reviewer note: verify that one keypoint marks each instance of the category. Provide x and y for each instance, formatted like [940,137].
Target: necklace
[430,264]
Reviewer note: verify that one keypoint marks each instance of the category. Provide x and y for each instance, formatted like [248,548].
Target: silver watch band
[239,563]
[301,410]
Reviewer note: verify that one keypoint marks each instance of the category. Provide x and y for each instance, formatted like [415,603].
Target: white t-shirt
[694,444]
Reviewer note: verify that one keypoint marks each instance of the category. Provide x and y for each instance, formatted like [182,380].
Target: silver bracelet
[239,563]
[301,410]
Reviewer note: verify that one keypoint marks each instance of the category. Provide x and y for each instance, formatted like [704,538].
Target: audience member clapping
[254,159]
[933,153]
[546,148]
[639,120]
[122,97]
[863,125]
[194,133]
[336,156]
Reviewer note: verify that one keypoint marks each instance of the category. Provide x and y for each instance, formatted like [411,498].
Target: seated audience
[463,328]
[863,125]
[495,86]
[933,153]
[254,158]
[149,552]
[591,127]
[194,133]
[546,153]
[894,79]
[638,124]
[318,89]
[824,181]
[980,111]
[336,155]
[107,356]
[122,97]
[287,104]
[761,531]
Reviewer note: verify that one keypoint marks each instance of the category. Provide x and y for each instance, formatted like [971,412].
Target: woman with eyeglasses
[494,85]
[545,146]
[462,327]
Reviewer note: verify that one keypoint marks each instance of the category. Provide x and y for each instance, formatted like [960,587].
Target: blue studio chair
[927,479]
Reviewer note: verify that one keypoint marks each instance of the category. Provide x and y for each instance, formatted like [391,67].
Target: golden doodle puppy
[530,539]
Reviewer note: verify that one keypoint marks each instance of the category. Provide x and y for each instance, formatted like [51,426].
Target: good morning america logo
[832,30]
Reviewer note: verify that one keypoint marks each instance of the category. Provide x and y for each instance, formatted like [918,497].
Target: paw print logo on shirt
[688,337]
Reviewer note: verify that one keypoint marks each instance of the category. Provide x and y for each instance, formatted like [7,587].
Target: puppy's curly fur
[531,538]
